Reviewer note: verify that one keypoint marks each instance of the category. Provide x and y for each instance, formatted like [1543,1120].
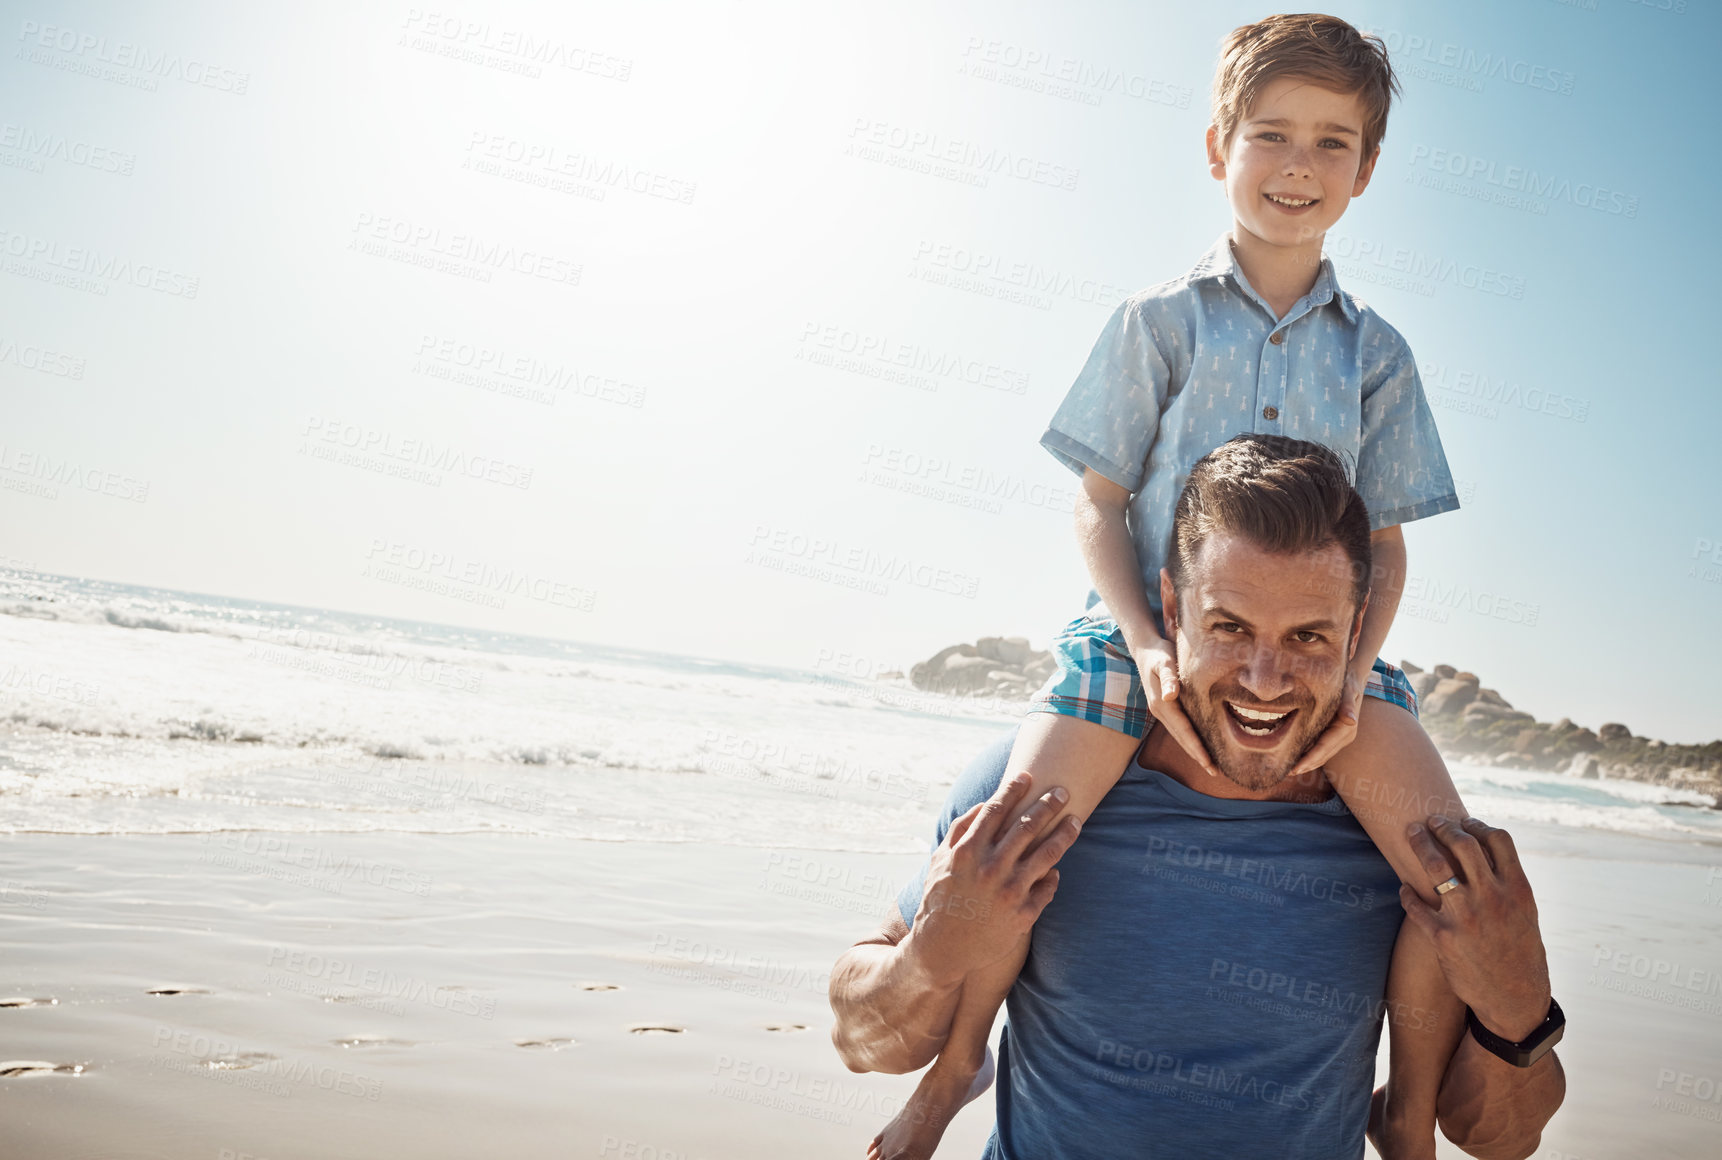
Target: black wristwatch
[1527,1050]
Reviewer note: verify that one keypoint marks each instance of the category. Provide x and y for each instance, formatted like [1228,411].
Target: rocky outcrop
[1470,723]
[994,666]
[1466,721]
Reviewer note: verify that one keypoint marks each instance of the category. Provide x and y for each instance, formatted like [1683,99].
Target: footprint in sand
[236,1062]
[18,1068]
[786,1027]
[177,991]
[656,1029]
[546,1044]
[598,986]
[22,1001]
[373,1041]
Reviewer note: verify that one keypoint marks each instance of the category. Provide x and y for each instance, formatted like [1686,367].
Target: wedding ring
[1450,884]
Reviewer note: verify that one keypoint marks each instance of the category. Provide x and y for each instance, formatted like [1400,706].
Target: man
[1209,960]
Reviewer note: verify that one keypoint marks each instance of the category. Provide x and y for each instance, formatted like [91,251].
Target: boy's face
[1294,162]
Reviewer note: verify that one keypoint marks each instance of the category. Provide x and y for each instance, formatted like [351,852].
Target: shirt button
[1270,412]
[1277,337]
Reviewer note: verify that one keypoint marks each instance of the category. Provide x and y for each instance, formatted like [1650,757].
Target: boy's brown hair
[1323,50]
[1281,494]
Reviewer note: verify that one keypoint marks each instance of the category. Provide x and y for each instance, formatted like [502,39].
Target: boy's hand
[1158,664]
[1340,732]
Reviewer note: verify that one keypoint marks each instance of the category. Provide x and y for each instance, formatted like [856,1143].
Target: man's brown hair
[1283,495]
[1323,50]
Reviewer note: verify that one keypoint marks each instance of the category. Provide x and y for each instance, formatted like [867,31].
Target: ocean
[138,710]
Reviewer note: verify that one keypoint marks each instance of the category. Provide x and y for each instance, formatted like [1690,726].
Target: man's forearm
[1496,1111]
[892,1014]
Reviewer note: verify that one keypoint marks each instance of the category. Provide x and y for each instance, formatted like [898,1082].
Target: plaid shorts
[1097,681]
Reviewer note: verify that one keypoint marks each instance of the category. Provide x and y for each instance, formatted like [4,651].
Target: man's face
[1262,642]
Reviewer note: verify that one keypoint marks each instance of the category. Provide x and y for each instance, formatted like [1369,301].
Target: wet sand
[397,995]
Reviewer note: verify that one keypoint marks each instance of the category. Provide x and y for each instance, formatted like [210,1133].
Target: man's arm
[892,1014]
[895,994]
[1486,937]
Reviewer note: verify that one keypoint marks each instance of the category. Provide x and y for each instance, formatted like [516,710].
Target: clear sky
[730,330]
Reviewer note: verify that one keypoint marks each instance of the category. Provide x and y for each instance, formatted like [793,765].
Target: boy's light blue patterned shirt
[1183,366]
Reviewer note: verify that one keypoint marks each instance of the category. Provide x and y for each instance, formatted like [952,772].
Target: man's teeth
[1295,202]
[1269,720]
[1255,714]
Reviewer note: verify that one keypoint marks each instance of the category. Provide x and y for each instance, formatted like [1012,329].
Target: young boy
[1257,337]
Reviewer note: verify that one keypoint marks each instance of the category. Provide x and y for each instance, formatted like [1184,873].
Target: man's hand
[1485,931]
[1158,664]
[989,880]
[1340,732]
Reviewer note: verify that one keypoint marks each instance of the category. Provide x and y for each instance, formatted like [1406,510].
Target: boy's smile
[1292,166]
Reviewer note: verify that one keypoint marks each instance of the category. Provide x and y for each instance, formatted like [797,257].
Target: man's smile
[1258,723]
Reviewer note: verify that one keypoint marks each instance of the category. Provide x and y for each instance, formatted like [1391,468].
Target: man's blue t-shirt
[1208,980]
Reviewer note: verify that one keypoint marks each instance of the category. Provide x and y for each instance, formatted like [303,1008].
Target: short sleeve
[976,784]
[1111,414]
[1402,470]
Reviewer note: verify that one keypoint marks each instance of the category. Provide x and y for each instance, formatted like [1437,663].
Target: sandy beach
[252,906]
[468,995]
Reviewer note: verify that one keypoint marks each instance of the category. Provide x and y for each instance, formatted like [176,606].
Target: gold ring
[1450,884]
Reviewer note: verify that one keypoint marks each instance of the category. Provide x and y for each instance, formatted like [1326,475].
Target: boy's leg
[1086,759]
[1389,776]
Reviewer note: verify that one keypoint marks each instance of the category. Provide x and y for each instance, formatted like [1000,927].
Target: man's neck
[1160,752]
[1280,274]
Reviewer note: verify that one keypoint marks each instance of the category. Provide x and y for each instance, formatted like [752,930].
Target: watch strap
[1528,1050]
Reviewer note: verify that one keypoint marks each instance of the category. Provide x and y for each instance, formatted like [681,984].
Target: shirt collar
[1219,263]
